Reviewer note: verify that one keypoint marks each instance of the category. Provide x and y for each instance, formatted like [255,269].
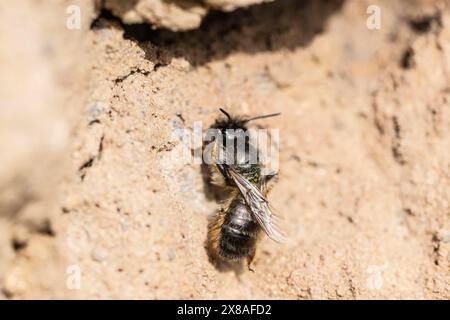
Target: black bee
[234,231]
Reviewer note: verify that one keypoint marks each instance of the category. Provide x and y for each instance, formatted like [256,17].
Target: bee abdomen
[238,240]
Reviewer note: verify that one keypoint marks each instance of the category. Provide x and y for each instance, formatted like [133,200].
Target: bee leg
[268,181]
[250,260]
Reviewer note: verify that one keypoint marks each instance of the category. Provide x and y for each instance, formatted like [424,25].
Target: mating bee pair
[235,229]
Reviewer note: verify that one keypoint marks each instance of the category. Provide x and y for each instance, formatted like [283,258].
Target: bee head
[236,123]
[230,122]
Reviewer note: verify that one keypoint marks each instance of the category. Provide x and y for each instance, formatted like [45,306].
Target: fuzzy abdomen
[239,232]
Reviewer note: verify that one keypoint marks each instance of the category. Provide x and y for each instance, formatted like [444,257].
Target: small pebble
[171,255]
[444,236]
[99,254]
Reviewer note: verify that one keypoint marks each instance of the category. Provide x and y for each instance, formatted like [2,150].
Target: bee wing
[259,205]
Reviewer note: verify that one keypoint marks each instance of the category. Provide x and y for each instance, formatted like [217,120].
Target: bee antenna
[263,117]
[225,113]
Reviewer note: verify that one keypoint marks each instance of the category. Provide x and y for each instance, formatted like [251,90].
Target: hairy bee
[235,229]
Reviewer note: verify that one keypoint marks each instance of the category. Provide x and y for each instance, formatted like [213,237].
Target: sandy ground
[92,185]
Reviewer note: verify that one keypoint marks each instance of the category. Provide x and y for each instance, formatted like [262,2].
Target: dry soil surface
[91,177]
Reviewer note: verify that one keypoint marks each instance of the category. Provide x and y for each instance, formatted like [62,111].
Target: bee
[236,228]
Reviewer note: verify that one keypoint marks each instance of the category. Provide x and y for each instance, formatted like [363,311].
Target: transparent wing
[259,206]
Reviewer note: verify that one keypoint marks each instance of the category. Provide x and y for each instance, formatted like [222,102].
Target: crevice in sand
[222,34]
